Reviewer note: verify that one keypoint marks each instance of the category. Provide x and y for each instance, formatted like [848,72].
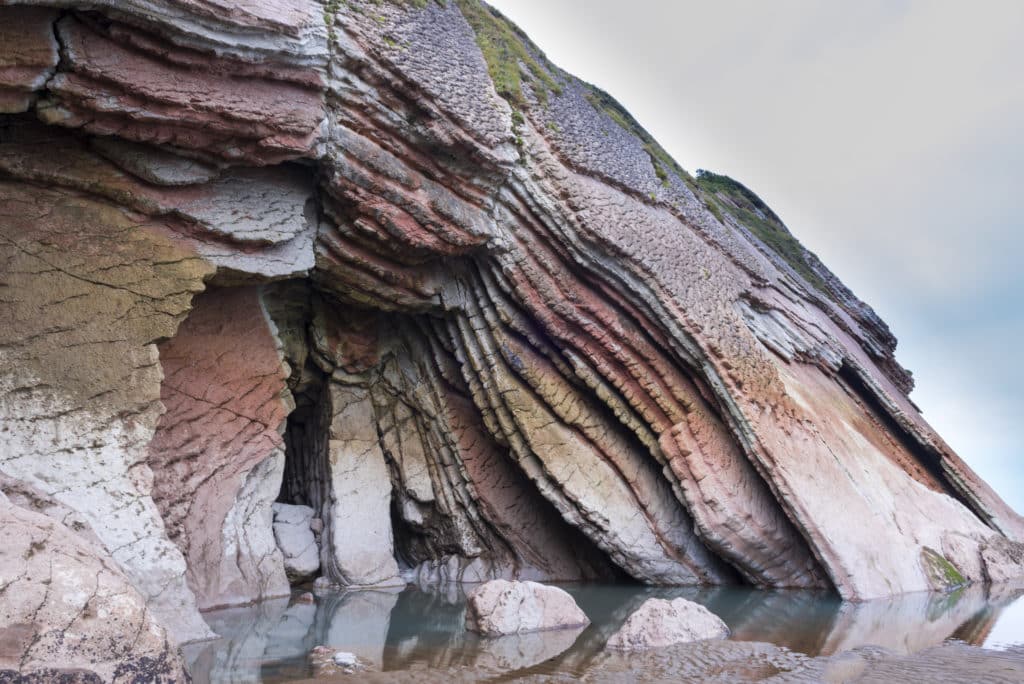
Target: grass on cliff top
[722,193]
[505,47]
[507,51]
[603,102]
[511,56]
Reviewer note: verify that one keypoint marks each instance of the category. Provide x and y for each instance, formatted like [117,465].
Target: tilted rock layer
[382,259]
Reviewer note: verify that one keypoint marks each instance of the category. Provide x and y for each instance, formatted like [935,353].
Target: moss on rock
[723,194]
[941,573]
[660,159]
[507,50]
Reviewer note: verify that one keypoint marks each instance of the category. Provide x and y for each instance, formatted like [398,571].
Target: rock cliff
[384,260]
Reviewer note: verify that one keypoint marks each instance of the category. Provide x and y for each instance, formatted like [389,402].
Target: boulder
[296,541]
[1003,559]
[659,623]
[502,607]
[69,613]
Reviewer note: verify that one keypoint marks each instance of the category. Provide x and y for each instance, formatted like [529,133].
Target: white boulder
[502,607]
[659,623]
[295,538]
[327,662]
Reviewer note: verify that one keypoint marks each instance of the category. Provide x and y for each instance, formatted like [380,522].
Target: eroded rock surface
[217,455]
[385,261]
[88,291]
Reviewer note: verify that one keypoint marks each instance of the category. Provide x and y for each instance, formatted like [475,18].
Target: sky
[887,135]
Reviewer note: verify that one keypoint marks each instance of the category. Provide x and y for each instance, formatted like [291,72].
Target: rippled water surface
[418,635]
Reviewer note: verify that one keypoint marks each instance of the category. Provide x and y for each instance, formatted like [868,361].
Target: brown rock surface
[29,56]
[148,91]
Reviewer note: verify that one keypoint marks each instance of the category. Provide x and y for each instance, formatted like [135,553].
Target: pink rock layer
[217,455]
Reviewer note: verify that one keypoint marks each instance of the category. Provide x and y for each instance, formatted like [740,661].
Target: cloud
[886,134]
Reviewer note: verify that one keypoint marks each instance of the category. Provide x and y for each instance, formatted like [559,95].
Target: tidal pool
[416,634]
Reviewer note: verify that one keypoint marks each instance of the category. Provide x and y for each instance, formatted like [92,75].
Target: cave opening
[300,506]
[305,447]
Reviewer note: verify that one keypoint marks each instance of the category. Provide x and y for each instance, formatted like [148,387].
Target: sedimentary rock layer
[458,303]
[217,455]
[89,288]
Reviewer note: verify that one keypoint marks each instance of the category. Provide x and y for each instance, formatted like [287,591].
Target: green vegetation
[330,10]
[418,4]
[712,206]
[505,47]
[721,193]
[661,173]
[940,570]
[603,102]
[511,57]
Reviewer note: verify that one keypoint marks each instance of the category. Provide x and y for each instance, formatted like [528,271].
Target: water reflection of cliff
[423,629]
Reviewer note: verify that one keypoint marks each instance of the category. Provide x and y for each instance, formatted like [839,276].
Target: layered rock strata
[385,261]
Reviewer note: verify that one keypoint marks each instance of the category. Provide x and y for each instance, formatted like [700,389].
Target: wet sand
[732,661]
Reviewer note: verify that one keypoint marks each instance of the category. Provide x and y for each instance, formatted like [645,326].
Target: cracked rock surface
[384,261]
[67,610]
[500,607]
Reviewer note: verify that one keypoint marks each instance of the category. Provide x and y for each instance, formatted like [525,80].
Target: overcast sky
[888,135]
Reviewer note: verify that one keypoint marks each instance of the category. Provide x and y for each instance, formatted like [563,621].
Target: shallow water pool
[417,634]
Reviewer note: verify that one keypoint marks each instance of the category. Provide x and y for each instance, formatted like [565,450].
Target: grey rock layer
[296,541]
